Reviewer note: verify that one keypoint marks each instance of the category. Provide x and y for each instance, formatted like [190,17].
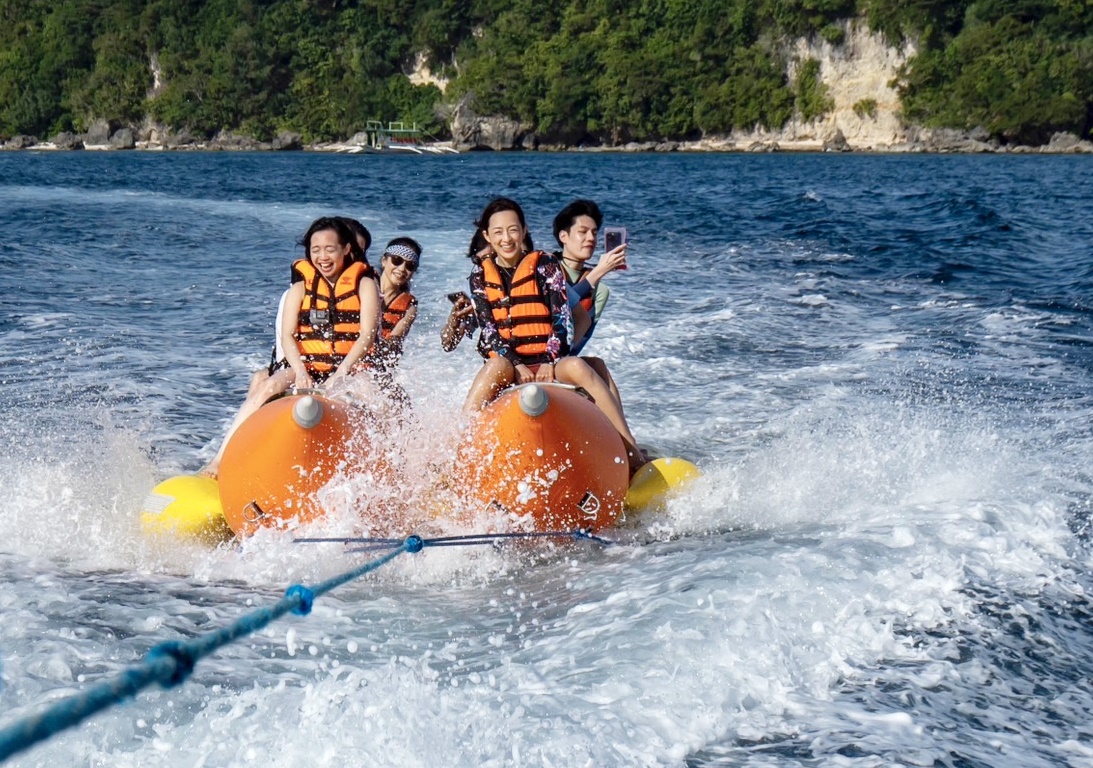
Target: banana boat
[272,470]
[541,455]
[547,458]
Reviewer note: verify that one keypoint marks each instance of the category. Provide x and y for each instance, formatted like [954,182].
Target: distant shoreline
[947,143]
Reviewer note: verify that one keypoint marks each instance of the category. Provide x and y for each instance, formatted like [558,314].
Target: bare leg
[574,370]
[258,379]
[600,367]
[495,375]
[272,386]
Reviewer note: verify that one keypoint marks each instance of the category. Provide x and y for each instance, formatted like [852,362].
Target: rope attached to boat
[171,662]
[370,544]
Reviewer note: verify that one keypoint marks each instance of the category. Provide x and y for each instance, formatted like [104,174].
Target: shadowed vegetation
[577,71]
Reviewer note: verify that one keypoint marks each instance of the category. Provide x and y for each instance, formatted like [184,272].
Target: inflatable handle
[534,400]
[307,412]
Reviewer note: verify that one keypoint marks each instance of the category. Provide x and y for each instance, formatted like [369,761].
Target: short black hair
[338,225]
[565,218]
[360,231]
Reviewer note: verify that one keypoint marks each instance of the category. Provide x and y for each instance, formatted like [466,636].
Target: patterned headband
[398,249]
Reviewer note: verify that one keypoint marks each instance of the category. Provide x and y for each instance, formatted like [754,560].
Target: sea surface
[883,365]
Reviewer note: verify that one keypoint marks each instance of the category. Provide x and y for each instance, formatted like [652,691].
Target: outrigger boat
[541,457]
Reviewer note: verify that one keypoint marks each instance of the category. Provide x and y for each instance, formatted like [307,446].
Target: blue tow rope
[170,663]
[369,544]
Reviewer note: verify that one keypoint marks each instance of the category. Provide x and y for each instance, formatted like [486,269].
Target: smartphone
[613,237]
[470,322]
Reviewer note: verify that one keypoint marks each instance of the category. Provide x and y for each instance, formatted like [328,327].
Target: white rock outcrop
[857,72]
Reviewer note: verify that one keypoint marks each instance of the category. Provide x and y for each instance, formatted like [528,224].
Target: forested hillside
[576,70]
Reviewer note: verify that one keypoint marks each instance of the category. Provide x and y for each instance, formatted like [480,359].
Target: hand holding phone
[465,313]
[613,237]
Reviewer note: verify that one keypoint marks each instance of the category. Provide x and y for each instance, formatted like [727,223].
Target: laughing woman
[330,320]
[522,308]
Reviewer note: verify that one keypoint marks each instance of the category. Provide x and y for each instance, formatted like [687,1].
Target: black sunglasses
[398,261]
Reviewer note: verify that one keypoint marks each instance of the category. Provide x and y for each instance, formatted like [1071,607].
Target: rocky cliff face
[858,74]
[473,132]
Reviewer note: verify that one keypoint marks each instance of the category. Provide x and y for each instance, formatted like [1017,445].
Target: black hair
[499,205]
[478,242]
[359,231]
[339,226]
[565,218]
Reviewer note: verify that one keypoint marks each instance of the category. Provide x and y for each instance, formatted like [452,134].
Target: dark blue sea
[883,364]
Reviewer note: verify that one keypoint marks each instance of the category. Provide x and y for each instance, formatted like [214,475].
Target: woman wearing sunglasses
[398,307]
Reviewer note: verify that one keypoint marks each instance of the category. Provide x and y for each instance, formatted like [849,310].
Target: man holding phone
[576,228]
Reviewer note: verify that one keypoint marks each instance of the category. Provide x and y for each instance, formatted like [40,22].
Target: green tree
[577,70]
[812,98]
[46,54]
[117,85]
[754,93]
[1007,77]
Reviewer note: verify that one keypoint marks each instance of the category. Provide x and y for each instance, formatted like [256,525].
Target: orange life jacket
[330,316]
[295,277]
[394,312]
[384,356]
[522,314]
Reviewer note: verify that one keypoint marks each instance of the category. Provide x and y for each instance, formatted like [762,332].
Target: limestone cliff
[858,74]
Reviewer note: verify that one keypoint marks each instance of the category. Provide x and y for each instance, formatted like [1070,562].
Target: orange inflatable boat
[541,457]
[282,456]
[547,458]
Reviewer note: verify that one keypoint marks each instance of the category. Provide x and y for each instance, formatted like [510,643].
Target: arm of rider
[582,321]
[392,345]
[463,308]
[455,330]
[287,332]
[402,327]
[489,336]
[609,262]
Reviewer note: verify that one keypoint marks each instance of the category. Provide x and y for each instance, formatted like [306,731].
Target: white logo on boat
[589,505]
